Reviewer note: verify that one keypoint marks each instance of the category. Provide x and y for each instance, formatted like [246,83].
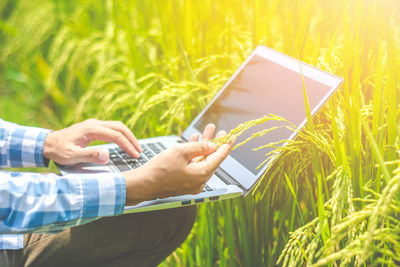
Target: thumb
[195,149]
[96,155]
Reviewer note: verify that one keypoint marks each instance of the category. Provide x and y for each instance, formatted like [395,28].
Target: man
[51,220]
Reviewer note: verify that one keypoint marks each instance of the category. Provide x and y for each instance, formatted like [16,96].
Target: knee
[161,229]
[172,228]
[146,239]
[169,230]
[183,220]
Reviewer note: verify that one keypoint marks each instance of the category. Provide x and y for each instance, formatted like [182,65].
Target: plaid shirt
[33,202]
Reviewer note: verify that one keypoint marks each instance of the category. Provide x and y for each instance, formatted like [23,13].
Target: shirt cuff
[104,195]
[41,161]
[26,147]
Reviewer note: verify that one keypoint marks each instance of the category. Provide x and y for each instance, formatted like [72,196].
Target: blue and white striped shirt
[33,202]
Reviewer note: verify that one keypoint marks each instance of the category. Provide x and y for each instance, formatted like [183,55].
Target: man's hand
[174,171]
[68,146]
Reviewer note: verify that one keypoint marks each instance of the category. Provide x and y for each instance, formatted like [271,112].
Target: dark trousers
[142,239]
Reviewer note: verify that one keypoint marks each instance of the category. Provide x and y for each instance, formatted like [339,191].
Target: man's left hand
[69,146]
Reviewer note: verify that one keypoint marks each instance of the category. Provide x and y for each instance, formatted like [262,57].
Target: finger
[122,128]
[220,134]
[194,137]
[208,132]
[195,149]
[112,136]
[88,154]
[212,161]
[232,141]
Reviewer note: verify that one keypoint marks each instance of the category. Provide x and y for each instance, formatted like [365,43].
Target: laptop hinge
[226,178]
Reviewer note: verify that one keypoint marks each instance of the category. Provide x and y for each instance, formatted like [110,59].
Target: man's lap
[142,239]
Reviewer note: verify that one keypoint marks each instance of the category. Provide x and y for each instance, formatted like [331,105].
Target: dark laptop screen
[261,88]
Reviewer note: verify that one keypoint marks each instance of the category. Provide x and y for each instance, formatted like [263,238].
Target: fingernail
[136,154]
[211,146]
[103,155]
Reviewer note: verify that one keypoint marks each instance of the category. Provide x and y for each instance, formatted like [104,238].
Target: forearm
[51,203]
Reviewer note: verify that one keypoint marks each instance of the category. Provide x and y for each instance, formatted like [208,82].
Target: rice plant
[330,198]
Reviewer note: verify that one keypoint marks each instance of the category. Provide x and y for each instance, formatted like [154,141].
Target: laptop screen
[263,87]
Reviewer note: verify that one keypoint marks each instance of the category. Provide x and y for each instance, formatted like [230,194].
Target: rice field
[332,198]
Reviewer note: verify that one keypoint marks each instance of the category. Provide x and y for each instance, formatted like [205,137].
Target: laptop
[268,82]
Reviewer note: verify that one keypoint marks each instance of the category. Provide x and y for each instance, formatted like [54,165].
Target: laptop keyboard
[124,162]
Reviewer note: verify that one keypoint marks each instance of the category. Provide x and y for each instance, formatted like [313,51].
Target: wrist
[49,145]
[139,186]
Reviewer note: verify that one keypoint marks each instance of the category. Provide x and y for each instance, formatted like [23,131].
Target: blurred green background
[155,64]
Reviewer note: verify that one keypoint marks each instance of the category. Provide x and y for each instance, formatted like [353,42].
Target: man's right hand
[174,172]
